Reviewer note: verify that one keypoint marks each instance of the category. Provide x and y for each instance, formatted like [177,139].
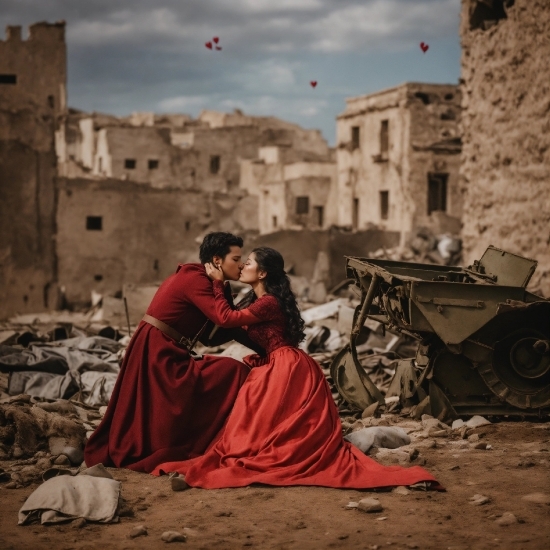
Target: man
[168,404]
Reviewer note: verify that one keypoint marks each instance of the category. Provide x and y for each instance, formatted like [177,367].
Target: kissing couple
[219,422]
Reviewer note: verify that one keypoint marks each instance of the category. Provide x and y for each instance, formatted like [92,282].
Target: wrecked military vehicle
[483,339]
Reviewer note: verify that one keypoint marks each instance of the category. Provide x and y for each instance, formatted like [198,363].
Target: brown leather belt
[173,333]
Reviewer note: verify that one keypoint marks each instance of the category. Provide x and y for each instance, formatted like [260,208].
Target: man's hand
[215,273]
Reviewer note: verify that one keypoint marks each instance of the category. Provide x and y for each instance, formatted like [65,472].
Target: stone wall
[32,101]
[505,171]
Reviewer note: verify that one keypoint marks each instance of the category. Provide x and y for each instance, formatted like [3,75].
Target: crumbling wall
[505,171]
[32,102]
[112,232]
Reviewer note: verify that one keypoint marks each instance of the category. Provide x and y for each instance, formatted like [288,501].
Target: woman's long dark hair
[277,284]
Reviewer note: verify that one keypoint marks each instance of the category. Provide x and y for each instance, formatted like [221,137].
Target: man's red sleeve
[210,299]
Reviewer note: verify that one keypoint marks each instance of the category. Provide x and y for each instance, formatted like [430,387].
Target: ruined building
[294,190]
[398,159]
[32,103]
[505,168]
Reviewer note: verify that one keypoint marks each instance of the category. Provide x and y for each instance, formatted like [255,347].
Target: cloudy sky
[150,55]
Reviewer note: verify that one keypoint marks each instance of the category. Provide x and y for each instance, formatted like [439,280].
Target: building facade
[398,159]
[32,107]
[505,168]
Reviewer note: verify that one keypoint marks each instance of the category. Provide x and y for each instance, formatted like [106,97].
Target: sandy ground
[310,517]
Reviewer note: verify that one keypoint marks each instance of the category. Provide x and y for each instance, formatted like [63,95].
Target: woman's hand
[215,273]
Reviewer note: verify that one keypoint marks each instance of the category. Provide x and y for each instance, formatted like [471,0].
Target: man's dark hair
[217,244]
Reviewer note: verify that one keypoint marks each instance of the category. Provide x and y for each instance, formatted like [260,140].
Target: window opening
[384,205]
[355,214]
[8,79]
[153,164]
[355,137]
[274,219]
[319,215]
[302,205]
[130,164]
[487,13]
[384,136]
[94,223]
[437,192]
[98,278]
[214,164]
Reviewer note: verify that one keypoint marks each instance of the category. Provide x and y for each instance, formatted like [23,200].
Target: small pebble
[138,531]
[173,536]
[369,505]
[481,446]
[76,456]
[401,491]
[506,519]
[473,438]
[352,505]
[537,498]
[383,518]
[455,467]
[479,500]
[10,485]
[178,483]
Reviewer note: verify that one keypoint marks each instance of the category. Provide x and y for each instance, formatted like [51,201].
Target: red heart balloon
[216,39]
[313,83]
[424,47]
[218,48]
[209,45]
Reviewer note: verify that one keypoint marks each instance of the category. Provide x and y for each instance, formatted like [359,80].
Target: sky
[150,55]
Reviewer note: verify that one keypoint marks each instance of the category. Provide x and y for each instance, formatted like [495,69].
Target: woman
[284,428]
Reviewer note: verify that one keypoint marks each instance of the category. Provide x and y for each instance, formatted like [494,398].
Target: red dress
[166,405]
[284,428]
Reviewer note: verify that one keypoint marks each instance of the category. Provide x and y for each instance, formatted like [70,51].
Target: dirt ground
[518,464]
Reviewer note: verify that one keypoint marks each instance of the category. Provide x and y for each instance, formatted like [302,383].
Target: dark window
[302,205]
[319,215]
[8,79]
[214,164]
[355,137]
[384,204]
[448,97]
[425,98]
[94,223]
[156,265]
[51,101]
[130,164]
[153,164]
[100,165]
[98,278]
[437,192]
[384,136]
[355,214]
[274,221]
[484,14]
[187,226]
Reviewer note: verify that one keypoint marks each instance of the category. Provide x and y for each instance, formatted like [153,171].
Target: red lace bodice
[269,331]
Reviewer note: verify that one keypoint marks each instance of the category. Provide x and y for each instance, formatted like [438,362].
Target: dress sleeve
[265,308]
[210,299]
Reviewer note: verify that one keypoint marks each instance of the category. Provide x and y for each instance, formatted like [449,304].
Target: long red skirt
[165,405]
[284,430]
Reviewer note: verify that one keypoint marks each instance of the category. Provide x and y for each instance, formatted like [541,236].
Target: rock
[138,531]
[457,424]
[482,446]
[370,410]
[477,421]
[62,460]
[369,505]
[434,432]
[76,456]
[455,467]
[473,438]
[537,498]
[526,463]
[506,519]
[79,523]
[173,536]
[21,398]
[10,485]
[178,483]
[413,453]
[479,500]
[352,505]
[401,490]
[102,411]
[431,423]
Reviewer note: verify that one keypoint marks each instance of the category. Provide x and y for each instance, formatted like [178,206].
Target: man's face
[231,265]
